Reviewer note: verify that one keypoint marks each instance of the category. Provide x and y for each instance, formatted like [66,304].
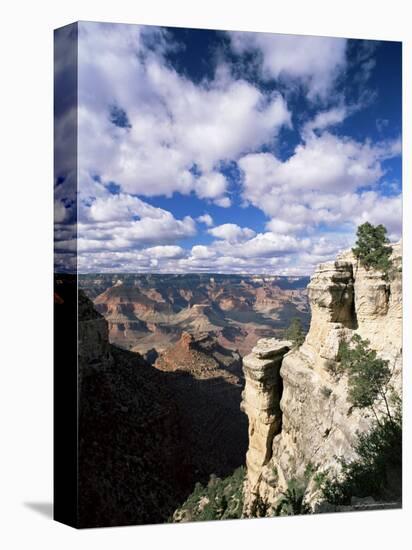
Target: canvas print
[228,275]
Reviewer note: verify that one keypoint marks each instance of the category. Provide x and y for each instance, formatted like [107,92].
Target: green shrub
[372,247]
[295,332]
[368,375]
[219,499]
[377,470]
[292,502]
[259,508]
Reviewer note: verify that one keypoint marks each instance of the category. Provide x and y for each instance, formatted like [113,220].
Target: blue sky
[232,151]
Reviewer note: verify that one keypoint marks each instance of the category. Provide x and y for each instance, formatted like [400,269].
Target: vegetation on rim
[219,499]
[295,332]
[372,248]
[377,469]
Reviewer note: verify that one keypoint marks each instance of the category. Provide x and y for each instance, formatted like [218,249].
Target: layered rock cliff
[261,403]
[203,357]
[130,435]
[299,414]
[147,311]
[146,434]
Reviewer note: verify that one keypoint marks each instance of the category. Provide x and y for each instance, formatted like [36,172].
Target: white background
[26,72]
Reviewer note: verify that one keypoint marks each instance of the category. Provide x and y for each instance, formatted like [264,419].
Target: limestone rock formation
[203,357]
[261,403]
[299,414]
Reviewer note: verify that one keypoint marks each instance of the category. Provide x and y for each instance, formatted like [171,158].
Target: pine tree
[368,374]
[295,332]
[372,247]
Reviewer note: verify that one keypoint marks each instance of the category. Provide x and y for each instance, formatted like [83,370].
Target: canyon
[152,311]
[156,423]
[301,421]
[147,433]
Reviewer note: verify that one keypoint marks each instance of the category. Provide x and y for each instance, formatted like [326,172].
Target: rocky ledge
[261,403]
[299,414]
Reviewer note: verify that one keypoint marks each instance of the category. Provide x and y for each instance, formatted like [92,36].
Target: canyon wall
[130,436]
[299,414]
[146,311]
[148,433]
[207,382]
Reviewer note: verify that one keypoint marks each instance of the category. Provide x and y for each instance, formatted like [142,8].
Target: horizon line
[243,274]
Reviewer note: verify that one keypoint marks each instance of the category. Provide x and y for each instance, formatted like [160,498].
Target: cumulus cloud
[262,246]
[325,182]
[165,252]
[206,219]
[264,253]
[232,233]
[376,209]
[283,226]
[144,260]
[210,186]
[312,61]
[119,207]
[122,222]
[173,124]
[237,248]
[147,130]
[202,252]
[323,163]
[223,202]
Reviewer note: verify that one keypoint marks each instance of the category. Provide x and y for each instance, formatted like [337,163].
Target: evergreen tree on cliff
[372,247]
[295,332]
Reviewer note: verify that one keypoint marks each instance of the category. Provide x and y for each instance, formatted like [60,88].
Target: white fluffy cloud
[313,61]
[323,163]
[211,186]
[262,245]
[223,202]
[202,252]
[206,219]
[264,253]
[165,252]
[169,125]
[376,209]
[139,261]
[325,181]
[325,119]
[152,131]
[123,222]
[232,233]
[120,207]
